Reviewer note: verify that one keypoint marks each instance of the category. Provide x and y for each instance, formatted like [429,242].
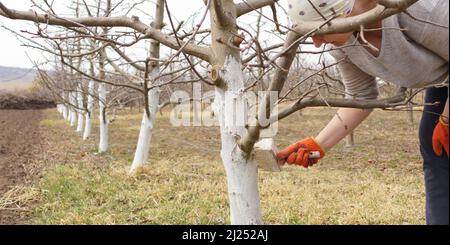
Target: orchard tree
[233,53]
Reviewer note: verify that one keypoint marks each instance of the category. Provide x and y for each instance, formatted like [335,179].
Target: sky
[13,54]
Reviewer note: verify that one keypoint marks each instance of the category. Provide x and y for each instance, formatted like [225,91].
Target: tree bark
[350,140]
[103,142]
[79,110]
[145,134]
[90,110]
[64,109]
[73,115]
[152,101]
[241,171]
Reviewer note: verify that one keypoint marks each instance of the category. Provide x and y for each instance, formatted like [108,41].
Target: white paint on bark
[73,115]
[80,104]
[66,107]
[59,108]
[242,172]
[145,134]
[103,143]
[90,110]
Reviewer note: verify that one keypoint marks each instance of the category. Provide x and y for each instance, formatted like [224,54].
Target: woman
[415,57]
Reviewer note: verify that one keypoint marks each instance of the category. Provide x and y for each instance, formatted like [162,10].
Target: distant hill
[16,74]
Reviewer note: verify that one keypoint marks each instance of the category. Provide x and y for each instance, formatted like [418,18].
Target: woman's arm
[343,123]
[358,85]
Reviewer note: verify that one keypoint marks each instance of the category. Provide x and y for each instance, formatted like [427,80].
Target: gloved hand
[440,137]
[298,153]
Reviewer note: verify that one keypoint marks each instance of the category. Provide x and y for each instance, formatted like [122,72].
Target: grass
[15,86]
[379,181]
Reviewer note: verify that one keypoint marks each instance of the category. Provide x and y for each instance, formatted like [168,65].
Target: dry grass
[377,182]
[19,198]
[15,86]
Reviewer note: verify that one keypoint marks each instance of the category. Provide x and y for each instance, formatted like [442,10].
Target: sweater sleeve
[358,84]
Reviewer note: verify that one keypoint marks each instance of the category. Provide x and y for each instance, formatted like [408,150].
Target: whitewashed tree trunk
[69,108]
[350,140]
[90,110]
[59,108]
[66,107]
[103,143]
[65,112]
[242,172]
[73,115]
[145,134]
[80,104]
[148,121]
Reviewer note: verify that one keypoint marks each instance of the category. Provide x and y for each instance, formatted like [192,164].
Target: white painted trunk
[72,118]
[66,98]
[145,134]
[87,126]
[350,140]
[80,105]
[69,115]
[64,111]
[103,143]
[242,173]
[66,114]
[90,109]
[73,115]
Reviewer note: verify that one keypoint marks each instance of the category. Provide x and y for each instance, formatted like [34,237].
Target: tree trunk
[103,144]
[66,113]
[230,107]
[80,105]
[59,108]
[64,107]
[350,140]
[152,99]
[145,134]
[90,109]
[242,172]
[73,115]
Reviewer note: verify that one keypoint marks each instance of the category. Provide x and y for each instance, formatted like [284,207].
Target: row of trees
[231,48]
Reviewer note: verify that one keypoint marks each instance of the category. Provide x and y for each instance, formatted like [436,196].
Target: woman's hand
[299,153]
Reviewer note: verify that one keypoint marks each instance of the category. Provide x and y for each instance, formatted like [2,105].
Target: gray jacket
[414,58]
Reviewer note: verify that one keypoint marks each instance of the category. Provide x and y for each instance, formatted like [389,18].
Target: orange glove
[440,137]
[298,153]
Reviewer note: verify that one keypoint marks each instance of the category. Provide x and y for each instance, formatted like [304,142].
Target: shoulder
[335,52]
[430,36]
[424,11]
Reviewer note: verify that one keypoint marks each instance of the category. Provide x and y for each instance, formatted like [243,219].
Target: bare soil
[24,101]
[19,143]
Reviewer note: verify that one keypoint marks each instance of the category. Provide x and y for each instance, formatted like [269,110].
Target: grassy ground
[15,86]
[377,182]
